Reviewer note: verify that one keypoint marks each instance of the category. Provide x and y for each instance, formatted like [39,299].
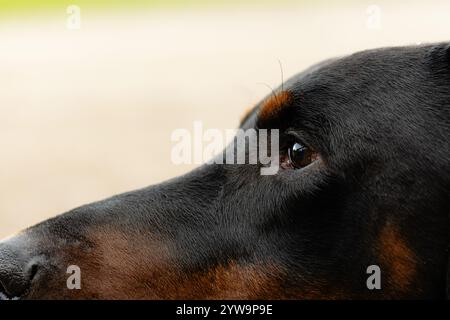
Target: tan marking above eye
[273,104]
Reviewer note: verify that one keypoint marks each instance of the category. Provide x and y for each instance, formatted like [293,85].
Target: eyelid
[299,137]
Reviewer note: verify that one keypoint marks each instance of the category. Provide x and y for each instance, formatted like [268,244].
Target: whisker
[270,88]
[282,75]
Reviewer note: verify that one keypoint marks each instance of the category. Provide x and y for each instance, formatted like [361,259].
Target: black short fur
[380,120]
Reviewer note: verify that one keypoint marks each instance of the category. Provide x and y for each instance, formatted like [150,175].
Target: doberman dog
[363,180]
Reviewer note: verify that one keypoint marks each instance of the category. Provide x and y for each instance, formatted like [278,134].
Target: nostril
[16,278]
[33,271]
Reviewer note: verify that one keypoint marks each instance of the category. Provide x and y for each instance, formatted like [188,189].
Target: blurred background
[90,91]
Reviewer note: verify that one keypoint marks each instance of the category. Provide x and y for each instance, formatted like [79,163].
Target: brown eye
[300,156]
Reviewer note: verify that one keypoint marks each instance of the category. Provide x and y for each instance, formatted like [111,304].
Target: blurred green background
[36,6]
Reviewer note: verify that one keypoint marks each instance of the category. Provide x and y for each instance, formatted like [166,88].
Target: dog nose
[16,272]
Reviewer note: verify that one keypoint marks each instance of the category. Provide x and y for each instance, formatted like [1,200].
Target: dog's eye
[300,156]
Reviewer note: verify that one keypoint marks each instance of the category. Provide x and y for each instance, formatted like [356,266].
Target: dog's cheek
[398,262]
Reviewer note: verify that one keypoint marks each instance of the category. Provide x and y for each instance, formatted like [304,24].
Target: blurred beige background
[88,113]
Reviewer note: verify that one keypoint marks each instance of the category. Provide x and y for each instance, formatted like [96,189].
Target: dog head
[362,180]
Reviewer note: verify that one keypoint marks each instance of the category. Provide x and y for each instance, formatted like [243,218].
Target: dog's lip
[3,296]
